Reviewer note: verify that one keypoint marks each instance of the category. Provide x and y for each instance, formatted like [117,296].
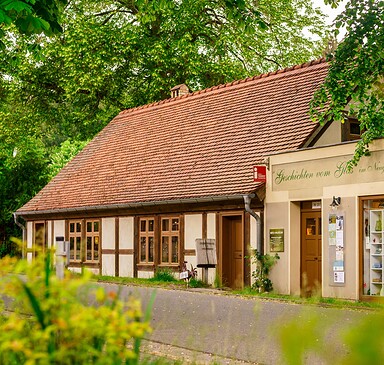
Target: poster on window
[336,240]
[332,229]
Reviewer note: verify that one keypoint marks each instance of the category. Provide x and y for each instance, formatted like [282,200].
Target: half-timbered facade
[161,176]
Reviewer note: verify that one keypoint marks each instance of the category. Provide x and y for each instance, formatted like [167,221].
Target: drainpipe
[24,234]
[259,238]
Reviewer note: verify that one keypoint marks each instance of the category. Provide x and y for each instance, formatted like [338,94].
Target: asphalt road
[235,327]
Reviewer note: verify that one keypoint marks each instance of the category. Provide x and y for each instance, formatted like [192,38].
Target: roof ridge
[228,84]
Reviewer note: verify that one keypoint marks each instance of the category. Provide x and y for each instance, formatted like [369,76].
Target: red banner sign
[260,173]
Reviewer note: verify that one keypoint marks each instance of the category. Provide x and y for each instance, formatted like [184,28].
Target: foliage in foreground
[362,343]
[52,322]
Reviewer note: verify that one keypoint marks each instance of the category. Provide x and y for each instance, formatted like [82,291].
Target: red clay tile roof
[199,145]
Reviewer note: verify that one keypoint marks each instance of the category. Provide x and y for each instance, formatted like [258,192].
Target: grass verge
[246,292]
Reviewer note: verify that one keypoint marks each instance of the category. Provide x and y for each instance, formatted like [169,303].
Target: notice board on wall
[336,226]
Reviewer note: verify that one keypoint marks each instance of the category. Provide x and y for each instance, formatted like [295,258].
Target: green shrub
[264,263]
[9,248]
[164,274]
[196,283]
[217,282]
[51,321]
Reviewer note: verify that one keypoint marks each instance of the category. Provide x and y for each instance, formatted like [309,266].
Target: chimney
[179,90]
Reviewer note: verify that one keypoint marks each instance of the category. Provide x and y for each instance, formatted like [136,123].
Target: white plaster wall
[331,136]
[108,233]
[294,247]
[29,234]
[76,270]
[108,242]
[276,216]
[145,274]
[126,235]
[211,234]
[193,229]
[29,240]
[211,276]
[58,229]
[253,242]
[108,268]
[126,266]
[211,225]
[49,233]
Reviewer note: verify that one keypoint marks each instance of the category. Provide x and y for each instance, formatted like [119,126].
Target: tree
[114,55]
[31,16]
[118,54]
[355,77]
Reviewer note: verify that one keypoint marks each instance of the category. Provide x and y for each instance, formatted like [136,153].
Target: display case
[376,252]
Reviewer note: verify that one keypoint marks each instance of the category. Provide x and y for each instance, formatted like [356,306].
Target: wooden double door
[311,238]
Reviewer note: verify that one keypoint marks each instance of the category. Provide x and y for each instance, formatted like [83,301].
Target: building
[162,177]
[330,219]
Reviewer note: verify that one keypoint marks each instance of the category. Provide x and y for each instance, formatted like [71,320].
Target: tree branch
[264,57]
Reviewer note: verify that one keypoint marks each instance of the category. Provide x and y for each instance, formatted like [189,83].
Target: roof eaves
[130,205]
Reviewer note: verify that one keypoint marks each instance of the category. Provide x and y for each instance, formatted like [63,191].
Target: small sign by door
[276,240]
[260,173]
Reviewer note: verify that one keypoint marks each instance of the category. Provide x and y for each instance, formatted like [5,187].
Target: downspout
[259,237]
[15,216]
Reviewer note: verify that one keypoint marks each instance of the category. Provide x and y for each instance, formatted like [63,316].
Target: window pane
[165,225]
[150,249]
[175,224]
[89,248]
[95,226]
[151,225]
[78,227]
[96,239]
[143,226]
[175,249]
[39,234]
[95,249]
[89,226]
[311,226]
[354,128]
[143,247]
[78,246]
[320,226]
[72,247]
[164,249]
[71,227]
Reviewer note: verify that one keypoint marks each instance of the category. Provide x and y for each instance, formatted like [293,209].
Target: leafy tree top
[355,81]
[31,16]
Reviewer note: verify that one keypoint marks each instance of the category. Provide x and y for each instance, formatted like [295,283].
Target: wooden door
[310,252]
[232,251]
